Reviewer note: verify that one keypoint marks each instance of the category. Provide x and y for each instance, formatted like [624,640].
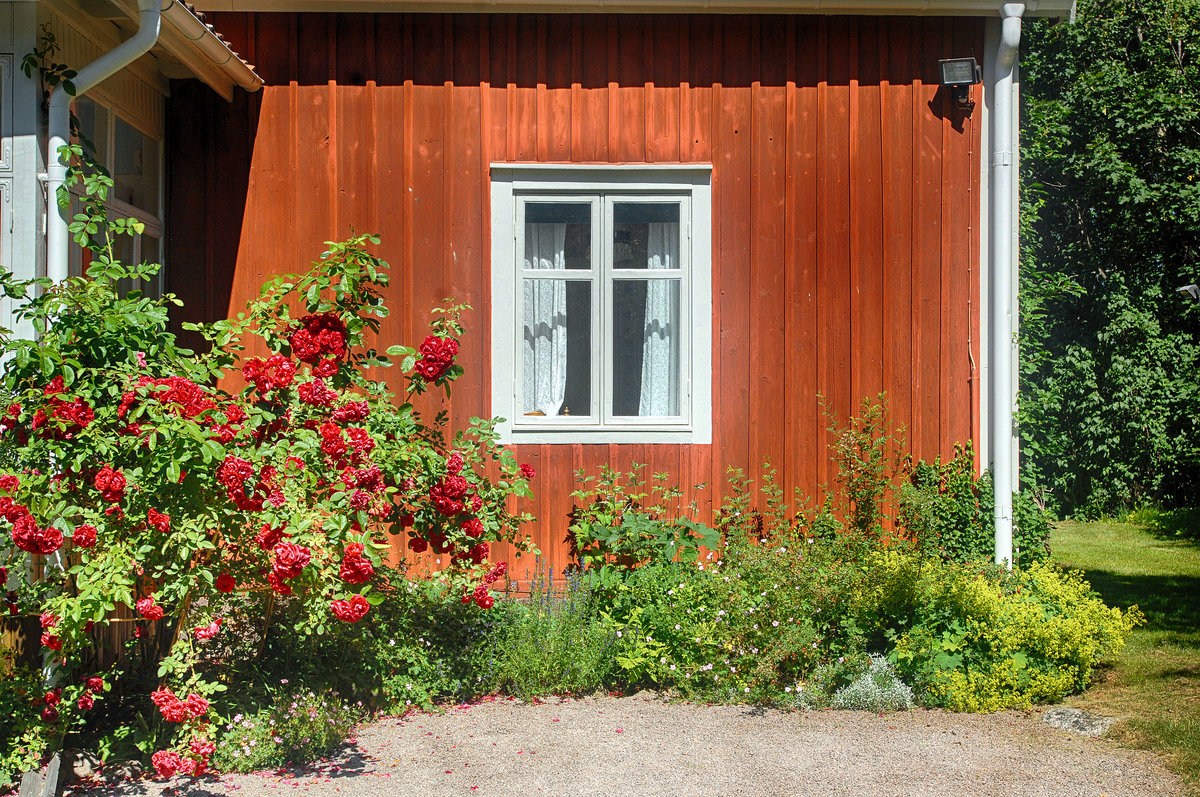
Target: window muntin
[600,292]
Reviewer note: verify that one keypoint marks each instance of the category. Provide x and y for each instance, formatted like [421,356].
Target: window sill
[606,436]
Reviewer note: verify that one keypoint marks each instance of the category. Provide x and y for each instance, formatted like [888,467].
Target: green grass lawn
[1155,684]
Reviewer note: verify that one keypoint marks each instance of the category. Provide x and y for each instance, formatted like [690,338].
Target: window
[601,303]
[133,159]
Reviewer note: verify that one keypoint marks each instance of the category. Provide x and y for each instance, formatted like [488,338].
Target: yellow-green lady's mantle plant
[139,482]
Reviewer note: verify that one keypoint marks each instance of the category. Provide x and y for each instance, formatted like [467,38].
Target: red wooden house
[678,224]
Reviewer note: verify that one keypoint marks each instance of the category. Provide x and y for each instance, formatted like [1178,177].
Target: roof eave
[1042,8]
[200,49]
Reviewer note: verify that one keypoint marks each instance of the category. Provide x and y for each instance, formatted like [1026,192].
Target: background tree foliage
[1110,230]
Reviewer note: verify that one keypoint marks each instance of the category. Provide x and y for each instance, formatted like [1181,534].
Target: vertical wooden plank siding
[845,199]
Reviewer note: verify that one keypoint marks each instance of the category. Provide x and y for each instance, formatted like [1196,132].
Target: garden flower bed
[248,536]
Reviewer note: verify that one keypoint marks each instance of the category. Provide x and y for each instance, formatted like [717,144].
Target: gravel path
[640,746]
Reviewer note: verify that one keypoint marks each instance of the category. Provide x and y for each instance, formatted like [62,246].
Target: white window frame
[513,184]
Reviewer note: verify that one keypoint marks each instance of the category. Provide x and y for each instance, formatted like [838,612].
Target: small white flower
[619,635]
[673,667]
[787,688]
[677,626]
[774,623]
[747,689]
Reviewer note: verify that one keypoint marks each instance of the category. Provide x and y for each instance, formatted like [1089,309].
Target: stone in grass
[1078,721]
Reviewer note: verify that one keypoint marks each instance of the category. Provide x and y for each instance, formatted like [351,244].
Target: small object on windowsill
[538,413]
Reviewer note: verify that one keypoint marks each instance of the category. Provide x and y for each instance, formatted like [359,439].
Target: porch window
[601,303]
[134,160]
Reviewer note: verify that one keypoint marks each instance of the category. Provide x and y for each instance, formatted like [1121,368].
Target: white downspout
[1000,270]
[149,22]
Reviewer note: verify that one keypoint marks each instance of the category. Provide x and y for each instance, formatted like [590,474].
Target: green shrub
[976,638]
[419,649]
[300,725]
[621,522]
[556,643]
[947,511]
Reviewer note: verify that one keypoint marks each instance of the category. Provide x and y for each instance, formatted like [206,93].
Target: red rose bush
[148,486]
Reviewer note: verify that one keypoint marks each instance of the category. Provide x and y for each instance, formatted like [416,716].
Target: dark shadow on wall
[594,50]
[209,144]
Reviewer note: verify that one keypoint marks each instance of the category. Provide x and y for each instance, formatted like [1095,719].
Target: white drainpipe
[149,21]
[1003,304]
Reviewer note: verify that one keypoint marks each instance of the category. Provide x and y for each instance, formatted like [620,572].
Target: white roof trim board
[1047,8]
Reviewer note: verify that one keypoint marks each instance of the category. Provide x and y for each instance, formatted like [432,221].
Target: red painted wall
[845,192]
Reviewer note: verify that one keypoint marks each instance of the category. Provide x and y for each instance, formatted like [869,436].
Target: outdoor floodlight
[1191,290]
[959,74]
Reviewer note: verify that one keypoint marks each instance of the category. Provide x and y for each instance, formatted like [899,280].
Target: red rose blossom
[316,393]
[28,536]
[527,471]
[276,583]
[206,632]
[95,683]
[159,520]
[85,702]
[290,559]
[111,484]
[355,569]
[267,538]
[84,536]
[325,369]
[350,611]
[166,763]
[418,545]
[225,583]
[147,608]
[202,748]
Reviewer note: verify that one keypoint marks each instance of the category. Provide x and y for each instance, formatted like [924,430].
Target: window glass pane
[135,167]
[93,127]
[557,347]
[123,253]
[645,235]
[646,336]
[558,235]
[152,253]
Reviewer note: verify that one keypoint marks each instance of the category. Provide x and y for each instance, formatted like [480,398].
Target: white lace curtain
[660,352]
[545,321]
